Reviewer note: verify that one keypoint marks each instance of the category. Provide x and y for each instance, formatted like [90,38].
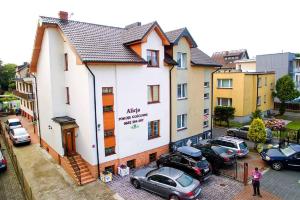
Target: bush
[257,131]
[224,113]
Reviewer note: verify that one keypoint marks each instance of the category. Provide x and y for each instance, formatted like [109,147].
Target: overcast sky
[260,26]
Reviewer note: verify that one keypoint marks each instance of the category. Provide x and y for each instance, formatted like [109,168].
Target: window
[163,180]
[206,84]
[182,91]
[153,93]
[66,62]
[152,157]
[266,81]
[107,90]
[206,95]
[272,86]
[259,82]
[258,100]
[108,133]
[107,108]
[131,164]
[181,121]
[152,58]
[224,83]
[110,169]
[182,60]
[67,96]
[224,101]
[206,111]
[109,151]
[265,98]
[205,124]
[153,129]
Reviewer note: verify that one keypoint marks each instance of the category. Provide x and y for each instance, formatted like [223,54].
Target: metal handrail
[75,167]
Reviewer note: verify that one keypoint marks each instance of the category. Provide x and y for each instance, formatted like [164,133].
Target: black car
[279,158]
[217,155]
[197,167]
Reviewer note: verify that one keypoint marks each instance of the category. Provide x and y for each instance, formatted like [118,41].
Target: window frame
[66,62]
[152,124]
[258,101]
[153,155]
[110,135]
[259,82]
[111,153]
[221,85]
[152,92]
[219,99]
[205,125]
[183,89]
[110,110]
[206,113]
[183,122]
[157,56]
[206,86]
[180,60]
[206,97]
[107,88]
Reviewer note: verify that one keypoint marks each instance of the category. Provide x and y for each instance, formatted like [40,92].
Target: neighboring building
[103,93]
[190,89]
[245,91]
[227,58]
[246,65]
[282,64]
[24,91]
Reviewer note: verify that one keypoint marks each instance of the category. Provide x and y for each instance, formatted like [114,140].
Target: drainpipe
[37,107]
[170,82]
[257,76]
[95,108]
[212,100]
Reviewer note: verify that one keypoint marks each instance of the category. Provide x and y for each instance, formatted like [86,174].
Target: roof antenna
[71,15]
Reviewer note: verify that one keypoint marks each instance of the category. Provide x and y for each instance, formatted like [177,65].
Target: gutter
[212,99]
[170,82]
[38,112]
[95,109]
[257,76]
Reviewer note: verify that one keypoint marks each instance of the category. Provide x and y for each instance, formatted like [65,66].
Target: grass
[294,125]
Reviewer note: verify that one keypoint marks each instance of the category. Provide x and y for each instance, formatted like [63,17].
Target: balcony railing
[27,96]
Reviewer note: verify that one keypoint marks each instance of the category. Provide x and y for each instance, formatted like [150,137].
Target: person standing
[256,177]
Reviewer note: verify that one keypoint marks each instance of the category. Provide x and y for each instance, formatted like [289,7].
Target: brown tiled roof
[220,57]
[136,33]
[175,35]
[198,57]
[98,43]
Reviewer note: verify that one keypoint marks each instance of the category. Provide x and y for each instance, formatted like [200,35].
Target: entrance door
[70,141]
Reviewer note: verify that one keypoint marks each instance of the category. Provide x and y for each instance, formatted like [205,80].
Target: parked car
[238,146]
[242,132]
[279,158]
[190,161]
[12,123]
[167,182]
[217,155]
[19,136]
[3,162]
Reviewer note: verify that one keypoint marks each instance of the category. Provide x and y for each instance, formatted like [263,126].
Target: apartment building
[227,58]
[246,65]
[190,89]
[245,91]
[24,91]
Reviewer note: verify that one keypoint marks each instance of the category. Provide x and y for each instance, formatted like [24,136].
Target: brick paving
[10,188]
[215,188]
[246,194]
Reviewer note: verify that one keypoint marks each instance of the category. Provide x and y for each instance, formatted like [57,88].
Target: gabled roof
[24,66]
[227,58]
[198,57]
[169,60]
[175,35]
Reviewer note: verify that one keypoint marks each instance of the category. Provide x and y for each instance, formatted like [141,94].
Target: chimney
[133,25]
[63,15]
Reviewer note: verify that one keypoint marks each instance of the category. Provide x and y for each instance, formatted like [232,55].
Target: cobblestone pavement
[10,188]
[285,184]
[215,188]
[246,194]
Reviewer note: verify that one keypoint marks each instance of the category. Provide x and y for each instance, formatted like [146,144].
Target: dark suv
[197,167]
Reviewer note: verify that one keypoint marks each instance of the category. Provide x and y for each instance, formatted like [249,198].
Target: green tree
[257,132]
[285,91]
[7,75]
[256,114]
[224,113]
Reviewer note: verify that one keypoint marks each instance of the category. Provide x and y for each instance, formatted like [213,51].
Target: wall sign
[133,116]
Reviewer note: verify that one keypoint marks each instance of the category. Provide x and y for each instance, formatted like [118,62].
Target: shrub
[257,131]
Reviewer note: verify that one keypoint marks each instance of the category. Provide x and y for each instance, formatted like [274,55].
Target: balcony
[26,96]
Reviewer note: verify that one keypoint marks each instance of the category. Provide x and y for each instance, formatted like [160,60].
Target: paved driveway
[284,184]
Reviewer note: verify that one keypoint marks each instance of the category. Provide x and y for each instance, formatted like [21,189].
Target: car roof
[169,172]
[191,151]
[13,120]
[19,130]
[296,147]
[230,139]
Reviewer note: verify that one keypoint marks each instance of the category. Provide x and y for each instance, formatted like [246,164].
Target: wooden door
[70,142]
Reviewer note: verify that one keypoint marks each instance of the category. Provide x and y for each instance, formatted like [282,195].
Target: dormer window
[182,60]
[152,58]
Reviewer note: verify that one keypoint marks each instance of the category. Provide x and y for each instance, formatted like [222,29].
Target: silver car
[19,135]
[167,182]
[12,123]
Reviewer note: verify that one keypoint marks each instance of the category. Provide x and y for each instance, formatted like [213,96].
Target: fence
[19,172]
[238,171]
[289,135]
[289,106]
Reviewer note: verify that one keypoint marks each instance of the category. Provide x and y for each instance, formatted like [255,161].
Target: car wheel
[174,197]
[136,184]
[277,166]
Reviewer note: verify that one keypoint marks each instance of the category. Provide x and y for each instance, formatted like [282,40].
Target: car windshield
[185,180]
[14,124]
[243,145]
[203,163]
[219,150]
[288,151]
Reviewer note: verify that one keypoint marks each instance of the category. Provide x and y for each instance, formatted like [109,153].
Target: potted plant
[123,170]
[106,176]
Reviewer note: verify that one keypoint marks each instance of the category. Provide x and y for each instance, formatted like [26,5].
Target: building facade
[227,58]
[246,65]
[190,90]
[245,91]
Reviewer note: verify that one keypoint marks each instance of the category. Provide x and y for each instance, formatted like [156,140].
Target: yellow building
[190,89]
[246,65]
[245,91]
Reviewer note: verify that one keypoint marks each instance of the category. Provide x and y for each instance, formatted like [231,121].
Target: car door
[175,161]
[294,160]
[243,132]
[160,185]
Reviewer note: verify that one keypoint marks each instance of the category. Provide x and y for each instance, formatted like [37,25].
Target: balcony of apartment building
[24,89]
